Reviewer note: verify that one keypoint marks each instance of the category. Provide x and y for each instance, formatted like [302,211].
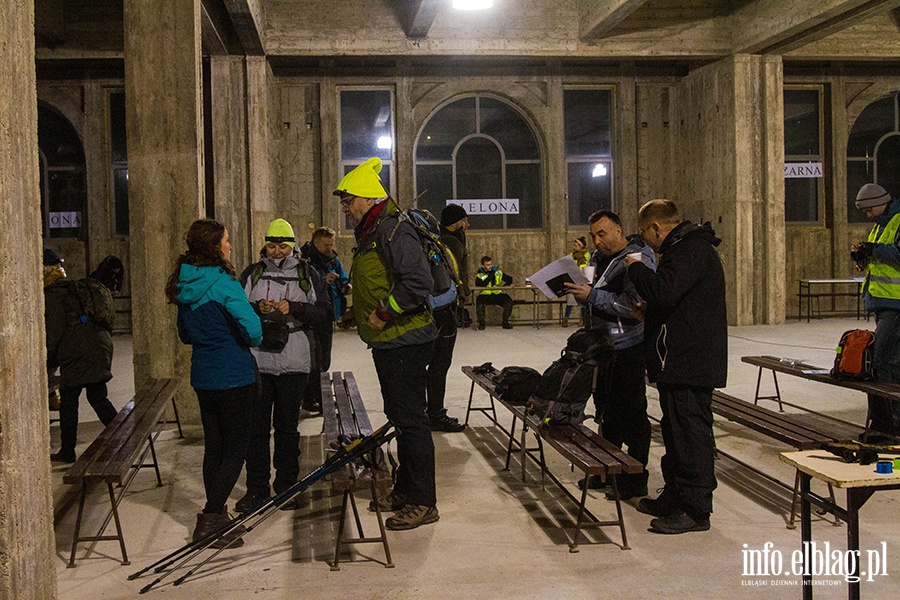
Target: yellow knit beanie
[280,232]
[363,181]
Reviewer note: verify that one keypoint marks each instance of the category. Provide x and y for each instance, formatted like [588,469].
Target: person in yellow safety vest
[879,257]
[489,276]
[581,257]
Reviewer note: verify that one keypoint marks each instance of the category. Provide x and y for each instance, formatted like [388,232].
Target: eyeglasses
[347,201]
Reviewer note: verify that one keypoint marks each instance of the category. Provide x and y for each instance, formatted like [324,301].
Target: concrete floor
[497,537]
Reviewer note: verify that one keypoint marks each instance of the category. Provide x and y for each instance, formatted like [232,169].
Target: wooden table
[803,370]
[860,481]
[805,291]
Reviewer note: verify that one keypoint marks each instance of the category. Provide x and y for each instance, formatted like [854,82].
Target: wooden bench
[345,418]
[582,447]
[805,291]
[806,434]
[118,454]
[800,369]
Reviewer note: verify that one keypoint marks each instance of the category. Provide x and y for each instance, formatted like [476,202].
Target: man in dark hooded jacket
[80,348]
[686,341]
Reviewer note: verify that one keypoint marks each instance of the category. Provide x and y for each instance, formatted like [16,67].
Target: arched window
[873,152]
[63,188]
[481,148]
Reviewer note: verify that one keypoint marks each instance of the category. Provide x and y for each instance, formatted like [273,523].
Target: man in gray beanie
[879,257]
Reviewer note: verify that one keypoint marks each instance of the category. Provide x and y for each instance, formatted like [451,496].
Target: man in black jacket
[686,341]
[80,348]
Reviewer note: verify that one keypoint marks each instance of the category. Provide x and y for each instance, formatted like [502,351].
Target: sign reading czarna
[802,170]
[495,206]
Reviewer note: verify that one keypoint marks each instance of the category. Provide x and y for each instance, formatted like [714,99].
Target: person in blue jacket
[216,319]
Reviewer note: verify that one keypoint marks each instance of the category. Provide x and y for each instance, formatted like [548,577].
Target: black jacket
[686,330]
[82,351]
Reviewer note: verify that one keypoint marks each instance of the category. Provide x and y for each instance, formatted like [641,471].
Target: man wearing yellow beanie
[391,280]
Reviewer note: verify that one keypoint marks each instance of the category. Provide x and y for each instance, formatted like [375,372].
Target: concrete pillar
[228,90]
[260,82]
[730,153]
[165,164]
[26,507]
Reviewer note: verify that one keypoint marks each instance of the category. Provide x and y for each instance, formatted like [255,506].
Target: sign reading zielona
[492,206]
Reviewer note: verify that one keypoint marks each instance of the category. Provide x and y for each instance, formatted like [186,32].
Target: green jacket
[390,275]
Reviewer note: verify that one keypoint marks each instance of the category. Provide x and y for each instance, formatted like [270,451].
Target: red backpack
[855,356]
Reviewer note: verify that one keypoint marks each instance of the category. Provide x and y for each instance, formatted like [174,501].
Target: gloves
[863,252]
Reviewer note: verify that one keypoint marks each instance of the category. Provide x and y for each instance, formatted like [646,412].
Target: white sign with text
[65,220]
[495,206]
[802,170]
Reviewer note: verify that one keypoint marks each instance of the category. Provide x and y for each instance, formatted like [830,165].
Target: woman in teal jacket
[216,319]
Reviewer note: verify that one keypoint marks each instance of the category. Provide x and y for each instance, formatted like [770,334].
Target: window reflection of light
[599,170]
[472,4]
[384,142]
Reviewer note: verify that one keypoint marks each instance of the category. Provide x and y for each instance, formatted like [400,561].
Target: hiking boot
[507,326]
[680,522]
[594,482]
[446,423]
[565,322]
[63,457]
[663,505]
[411,516]
[292,504]
[250,501]
[393,501]
[481,327]
[207,523]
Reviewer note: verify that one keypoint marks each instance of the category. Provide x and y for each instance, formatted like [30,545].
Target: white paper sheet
[551,276]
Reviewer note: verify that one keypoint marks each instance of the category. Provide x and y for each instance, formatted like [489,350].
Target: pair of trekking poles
[349,451]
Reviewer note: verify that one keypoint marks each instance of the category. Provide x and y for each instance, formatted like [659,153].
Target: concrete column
[165,164]
[26,507]
[259,138]
[730,154]
[228,85]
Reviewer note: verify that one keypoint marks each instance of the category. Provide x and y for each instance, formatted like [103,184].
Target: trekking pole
[352,450]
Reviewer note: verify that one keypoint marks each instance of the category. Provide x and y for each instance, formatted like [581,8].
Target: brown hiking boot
[390,502]
[411,516]
[207,523]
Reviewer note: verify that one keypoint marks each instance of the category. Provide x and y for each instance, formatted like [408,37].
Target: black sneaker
[663,505]
[446,423]
[250,501]
[63,457]
[292,504]
[680,522]
[411,516]
[481,327]
[507,326]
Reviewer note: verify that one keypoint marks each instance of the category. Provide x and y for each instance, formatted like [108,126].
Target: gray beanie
[871,195]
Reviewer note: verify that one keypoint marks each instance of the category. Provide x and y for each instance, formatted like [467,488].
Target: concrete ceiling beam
[600,17]
[246,26]
[418,16]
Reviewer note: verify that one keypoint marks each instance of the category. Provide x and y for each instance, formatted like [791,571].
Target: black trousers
[278,408]
[687,466]
[884,412]
[443,357]
[621,399]
[500,299]
[402,375]
[224,416]
[68,411]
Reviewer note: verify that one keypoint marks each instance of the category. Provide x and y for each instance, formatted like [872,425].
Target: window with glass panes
[118,161]
[480,147]
[803,148]
[587,114]
[873,152]
[62,177]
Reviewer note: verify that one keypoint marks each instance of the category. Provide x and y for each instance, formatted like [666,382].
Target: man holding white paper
[620,397]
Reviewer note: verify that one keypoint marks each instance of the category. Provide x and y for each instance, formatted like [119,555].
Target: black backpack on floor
[565,387]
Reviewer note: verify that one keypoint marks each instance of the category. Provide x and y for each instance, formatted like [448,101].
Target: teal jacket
[216,319]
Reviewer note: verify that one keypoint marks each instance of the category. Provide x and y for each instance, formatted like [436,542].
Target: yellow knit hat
[363,181]
[280,232]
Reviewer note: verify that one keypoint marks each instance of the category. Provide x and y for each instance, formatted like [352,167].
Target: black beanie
[51,257]
[452,213]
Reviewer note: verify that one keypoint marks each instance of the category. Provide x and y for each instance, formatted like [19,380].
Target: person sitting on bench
[489,276]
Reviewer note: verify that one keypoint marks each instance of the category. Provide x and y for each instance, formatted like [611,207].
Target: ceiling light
[599,170]
[384,142]
[472,4]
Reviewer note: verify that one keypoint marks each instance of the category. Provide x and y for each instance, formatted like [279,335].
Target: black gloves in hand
[863,252]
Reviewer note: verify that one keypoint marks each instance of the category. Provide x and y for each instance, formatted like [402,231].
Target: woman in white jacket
[292,303]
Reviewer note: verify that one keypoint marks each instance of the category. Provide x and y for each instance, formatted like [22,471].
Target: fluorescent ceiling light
[472,4]
[384,142]
[599,170]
